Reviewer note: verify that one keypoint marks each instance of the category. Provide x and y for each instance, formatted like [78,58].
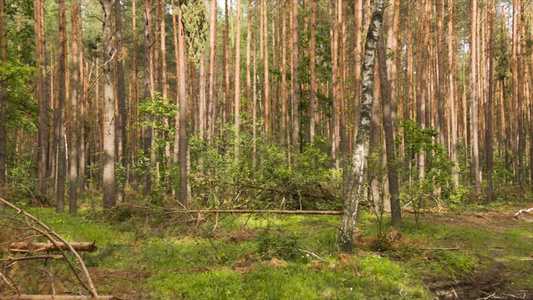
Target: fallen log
[55,297]
[22,247]
[272,211]
[12,259]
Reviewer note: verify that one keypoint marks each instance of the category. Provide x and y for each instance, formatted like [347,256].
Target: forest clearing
[477,252]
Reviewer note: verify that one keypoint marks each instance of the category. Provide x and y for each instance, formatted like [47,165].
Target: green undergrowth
[154,254]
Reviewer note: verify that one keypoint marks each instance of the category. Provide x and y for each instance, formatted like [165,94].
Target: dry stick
[48,234]
[441,249]
[40,247]
[56,297]
[12,259]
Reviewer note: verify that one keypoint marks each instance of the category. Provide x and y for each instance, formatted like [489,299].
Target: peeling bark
[358,164]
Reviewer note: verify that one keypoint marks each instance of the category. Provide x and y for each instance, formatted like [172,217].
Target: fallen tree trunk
[523,211]
[272,211]
[18,247]
[55,297]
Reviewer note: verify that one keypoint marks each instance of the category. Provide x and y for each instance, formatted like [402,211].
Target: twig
[312,254]
[441,249]
[52,287]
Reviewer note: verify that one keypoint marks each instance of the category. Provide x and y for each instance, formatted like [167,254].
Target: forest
[183,148]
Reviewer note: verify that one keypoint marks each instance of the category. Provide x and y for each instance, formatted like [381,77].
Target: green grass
[237,259]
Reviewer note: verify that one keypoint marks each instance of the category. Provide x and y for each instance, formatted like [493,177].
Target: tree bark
[266,89]
[453,116]
[109,185]
[474,99]
[392,171]
[60,110]
[488,109]
[41,93]
[148,88]
[74,92]
[351,202]
[312,66]
[237,82]
[211,115]
[182,111]
[121,98]
[295,83]
[3,100]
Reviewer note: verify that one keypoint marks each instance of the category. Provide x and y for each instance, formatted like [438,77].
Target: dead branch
[440,249]
[52,236]
[312,254]
[258,211]
[12,259]
[55,297]
[523,211]
[40,247]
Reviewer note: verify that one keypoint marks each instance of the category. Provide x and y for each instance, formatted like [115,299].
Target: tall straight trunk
[266,89]
[110,198]
[227,81]
[312,66]
[121,97]
[334,38]
[60,110]
[237,80]
[351,202]
[175,153]
[3,100]
[134,88]
[386,100]
[421,83]
[248,60]
[294,76]
[148,86]
[182,111]
[211,115]
[474,99]
[74,92]
[488,109]
[358,53]
[443,136]
[82,149]
[284,132]
[453,117]
[519,94]
[202,97]
[41,93]
[164,85]
[254,96]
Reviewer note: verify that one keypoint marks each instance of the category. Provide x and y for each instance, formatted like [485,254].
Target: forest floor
[476,252]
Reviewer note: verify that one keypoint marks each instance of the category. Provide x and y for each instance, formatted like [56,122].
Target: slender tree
[474,99]
[3,99]
[60,110]
[74,92]
[294,76]
[182,110]
[121,97]
[488,109]
[312,70]
[353,194]
[110,199]
[211,115]
[237,81]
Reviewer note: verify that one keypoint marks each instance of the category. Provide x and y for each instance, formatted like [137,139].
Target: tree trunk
[148,88]
[3,100]
[474,99]
[453,116]
[110,199]
[488,109]
[312,65]
[211,115]
[284,132]
[351,202]
[41,93]
[443,136]
[182,111]
[392,172]
[75,89]
[266,89]
[121,97]
[60,110]
[237,79]
[294,76]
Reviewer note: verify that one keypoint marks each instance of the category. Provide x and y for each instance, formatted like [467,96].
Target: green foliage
[196,26]
[436,183]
